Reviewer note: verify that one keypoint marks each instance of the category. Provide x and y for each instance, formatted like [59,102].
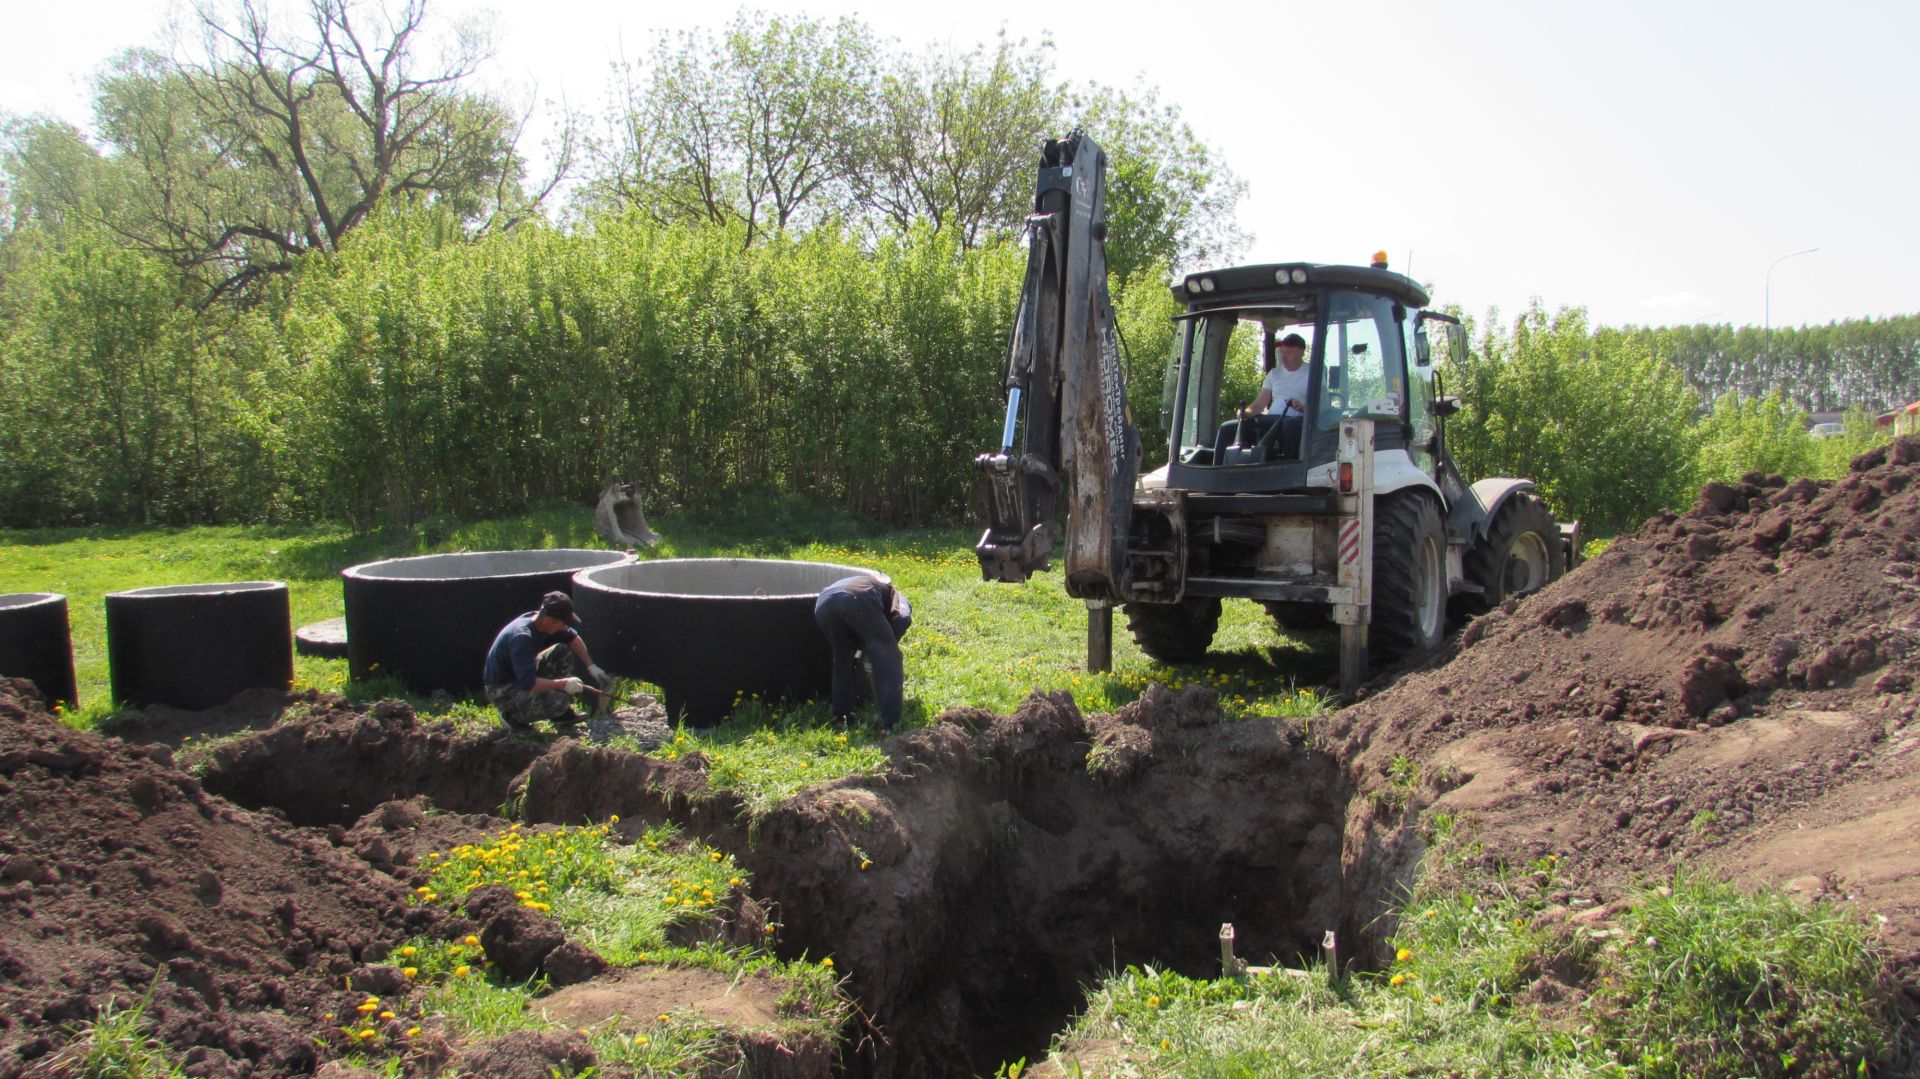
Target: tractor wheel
[1299,617]
[1521,553]
[1409,577]
[1174,632]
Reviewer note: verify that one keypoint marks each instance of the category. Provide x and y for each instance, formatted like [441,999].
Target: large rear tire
[1174,632]
[1521,553]
[1409,577]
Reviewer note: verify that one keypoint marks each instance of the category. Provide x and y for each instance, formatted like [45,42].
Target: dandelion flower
[1153,1002]
[1436,1000]
[365,1034]
[639,1039]
[413,1032]
[1165,1044]
[386,1015]
[461,970]
[410,972]
[827,962]
[1397,979]
[409,950]
[1403,954]
[471,940]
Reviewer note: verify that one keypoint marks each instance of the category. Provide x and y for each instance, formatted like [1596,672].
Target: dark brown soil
[1732,686]
[119,874]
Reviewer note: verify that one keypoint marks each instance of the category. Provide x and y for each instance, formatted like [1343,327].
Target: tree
[954,140]
[1170,201]
[271,141]
[754,128]
[1600,423]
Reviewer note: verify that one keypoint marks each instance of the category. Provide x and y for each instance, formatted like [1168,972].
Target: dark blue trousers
[854,622]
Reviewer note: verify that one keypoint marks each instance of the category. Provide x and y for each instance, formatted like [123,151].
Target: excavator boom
[1067,429]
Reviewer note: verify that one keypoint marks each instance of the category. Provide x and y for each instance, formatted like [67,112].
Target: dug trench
[1730,688]
[969,893]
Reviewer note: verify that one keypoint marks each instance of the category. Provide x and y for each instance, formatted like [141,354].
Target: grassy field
[1490,977]
[1668,990]
[972,644]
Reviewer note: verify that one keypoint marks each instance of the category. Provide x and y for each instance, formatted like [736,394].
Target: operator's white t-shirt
[1282,384]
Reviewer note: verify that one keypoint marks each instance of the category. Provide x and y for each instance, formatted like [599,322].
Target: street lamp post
[1769,297]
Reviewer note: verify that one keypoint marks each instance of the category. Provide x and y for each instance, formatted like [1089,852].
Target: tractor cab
[1362,345]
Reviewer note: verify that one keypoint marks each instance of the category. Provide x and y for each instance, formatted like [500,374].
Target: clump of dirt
[1732,685]
[121,876]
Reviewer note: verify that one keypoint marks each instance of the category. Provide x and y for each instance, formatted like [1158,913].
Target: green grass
[616,898]
[116,1045]
[973,644]
[1694,978]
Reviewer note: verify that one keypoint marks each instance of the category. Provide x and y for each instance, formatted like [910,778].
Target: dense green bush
[432,376]
[1604,426]
[118,403]
[421,372]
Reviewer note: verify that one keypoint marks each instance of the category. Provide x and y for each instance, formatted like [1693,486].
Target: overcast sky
[1648,161]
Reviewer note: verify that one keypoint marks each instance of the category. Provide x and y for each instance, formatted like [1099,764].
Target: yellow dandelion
[386,1015]
[1397,979]
[615,819]
[827,962]
[471,941]
[1165,1044]
[410,972]
[1153,1002]
[735,881]
[661,1017]
[364,1035]
[409,950]
[1436,1000]
[1403,954]
[328,1016]
[461,970]
[639,1039]
[714,857]
[413,1032]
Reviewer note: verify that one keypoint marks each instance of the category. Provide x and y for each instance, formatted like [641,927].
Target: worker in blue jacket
[867,615]
[533,668]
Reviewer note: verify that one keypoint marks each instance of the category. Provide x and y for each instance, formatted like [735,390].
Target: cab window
[1364,366]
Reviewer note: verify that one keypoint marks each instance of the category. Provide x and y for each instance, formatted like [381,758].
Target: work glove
[573,686]
[599,673]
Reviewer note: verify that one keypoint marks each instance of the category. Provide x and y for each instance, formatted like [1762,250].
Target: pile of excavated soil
[120,875]
[1731,687]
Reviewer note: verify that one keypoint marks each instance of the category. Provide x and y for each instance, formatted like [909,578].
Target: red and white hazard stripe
[1349,540]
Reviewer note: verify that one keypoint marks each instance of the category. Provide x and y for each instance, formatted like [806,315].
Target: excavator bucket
[619,519]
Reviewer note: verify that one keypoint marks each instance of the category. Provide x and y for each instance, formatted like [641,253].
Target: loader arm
[1067,431]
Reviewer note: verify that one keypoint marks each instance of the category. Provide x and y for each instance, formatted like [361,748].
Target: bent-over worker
[534,666]
[864,614]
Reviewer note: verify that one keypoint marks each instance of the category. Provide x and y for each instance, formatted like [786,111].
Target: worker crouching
[535,665]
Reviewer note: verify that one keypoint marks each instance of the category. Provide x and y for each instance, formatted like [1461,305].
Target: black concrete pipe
[429,620]
[709,629]
[35,644]
[194,646]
